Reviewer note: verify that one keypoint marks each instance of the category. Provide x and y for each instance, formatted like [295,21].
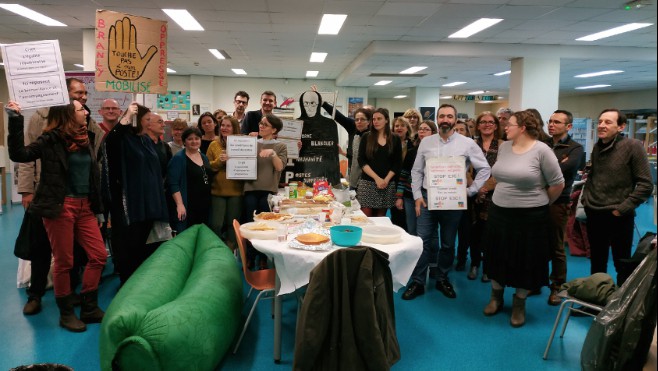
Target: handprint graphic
[125,62]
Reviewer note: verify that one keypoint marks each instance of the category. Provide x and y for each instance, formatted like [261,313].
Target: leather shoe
[473,273]
[446,288]
[553,298]
[33,306]
[413,290]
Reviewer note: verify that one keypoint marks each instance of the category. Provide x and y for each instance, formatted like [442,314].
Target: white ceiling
[274,39]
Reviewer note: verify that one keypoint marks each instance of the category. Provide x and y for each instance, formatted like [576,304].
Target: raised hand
[124,60]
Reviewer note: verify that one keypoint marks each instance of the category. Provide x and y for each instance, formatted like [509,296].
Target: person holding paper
[380,158]
[67,198]
[518,232]
[272,158]
[443,146]
[226,194]
[188,181]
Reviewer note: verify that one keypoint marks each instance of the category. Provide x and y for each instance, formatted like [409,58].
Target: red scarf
[76,139]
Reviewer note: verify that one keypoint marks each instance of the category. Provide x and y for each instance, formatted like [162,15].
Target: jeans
[427,227]
[410,214]
[75,221]
[222,212]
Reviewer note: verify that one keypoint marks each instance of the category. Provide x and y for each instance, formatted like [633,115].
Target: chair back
[263,279]
[241,245]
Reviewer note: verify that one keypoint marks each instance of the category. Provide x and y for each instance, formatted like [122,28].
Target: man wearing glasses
[240,101]
[110,112]
[252,118]
[569,154]
[443,144]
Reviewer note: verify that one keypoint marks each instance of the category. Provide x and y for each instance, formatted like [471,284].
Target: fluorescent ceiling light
[331,24]
[79,65]
[184,19]
[383,82]
[31,14]
[216,53]
[485,101]
[475,27]
[399,96]
[412,70]
[239,71]
[446,97]
[318,57]
[476,92]
[614,31]
[456,83]
[170,70]
[600,73]
[592,87]
[312,73]
[502,73]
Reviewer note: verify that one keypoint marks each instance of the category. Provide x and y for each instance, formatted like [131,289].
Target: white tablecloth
[294,265]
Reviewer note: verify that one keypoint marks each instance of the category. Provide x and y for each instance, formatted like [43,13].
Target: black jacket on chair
[347,320]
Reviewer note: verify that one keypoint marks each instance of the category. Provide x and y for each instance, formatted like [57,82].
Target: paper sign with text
[241,168]
[131,53]
[35,74]
[241,146]
[446,180]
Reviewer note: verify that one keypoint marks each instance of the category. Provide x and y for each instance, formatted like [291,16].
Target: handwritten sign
[131,53]
[35,74]
[241,168]
[446,180]
[290,134]
[241,146]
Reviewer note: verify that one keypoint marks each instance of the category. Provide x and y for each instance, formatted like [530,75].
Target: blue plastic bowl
[345,235]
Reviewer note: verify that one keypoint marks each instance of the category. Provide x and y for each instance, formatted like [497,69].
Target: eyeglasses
[424,129]
[264,124]
[486,122]
[237,101]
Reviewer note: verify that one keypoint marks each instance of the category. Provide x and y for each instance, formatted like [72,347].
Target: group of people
[122,170]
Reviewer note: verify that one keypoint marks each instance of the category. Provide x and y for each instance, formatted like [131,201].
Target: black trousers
[606,231]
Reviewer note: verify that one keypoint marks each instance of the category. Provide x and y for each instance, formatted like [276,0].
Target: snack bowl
[345,235]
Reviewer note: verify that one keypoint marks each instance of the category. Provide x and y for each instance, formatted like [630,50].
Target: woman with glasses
[226,194]
[188,180]
[67,198]
[528,179]
[415,118]
[404,198]
[272,158]
[209,127]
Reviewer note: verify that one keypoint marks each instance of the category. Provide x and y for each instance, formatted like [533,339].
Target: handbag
[160,231]
[22,247]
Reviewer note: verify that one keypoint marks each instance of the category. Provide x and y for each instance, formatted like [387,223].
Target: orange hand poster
[131,53]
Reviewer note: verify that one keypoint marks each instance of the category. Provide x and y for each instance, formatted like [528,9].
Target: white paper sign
[241,146]
[292,129]
[291,145]
[446,180]
[35,74]
[241,168]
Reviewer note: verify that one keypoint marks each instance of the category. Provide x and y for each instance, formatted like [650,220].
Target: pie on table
[312,238]
[272,216]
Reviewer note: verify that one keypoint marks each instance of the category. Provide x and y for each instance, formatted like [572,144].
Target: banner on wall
[174,100]
[131,53]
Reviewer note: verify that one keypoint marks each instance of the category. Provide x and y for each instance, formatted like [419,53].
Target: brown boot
[33,306]
[518,312]
[90,312]
[553,298]
[67,317]
[496,302]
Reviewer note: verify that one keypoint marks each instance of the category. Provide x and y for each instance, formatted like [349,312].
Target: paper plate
[381,234]
[260,235]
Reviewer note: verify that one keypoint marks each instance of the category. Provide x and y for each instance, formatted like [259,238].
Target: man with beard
[445,143]
[240,102]
[252,119]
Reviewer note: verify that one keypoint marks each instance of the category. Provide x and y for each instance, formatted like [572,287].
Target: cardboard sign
[446,180]
[35,74]
[131,53]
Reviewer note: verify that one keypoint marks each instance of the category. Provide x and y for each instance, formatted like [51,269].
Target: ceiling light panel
[216,53]
[456,83]
[592,87]
[318,57]
[475,27]
[600,73]
[383,82]
[331,24]
[312,73]
[239,71]
[31,14]
[184,19]
[412,70]
[614,31]
[502,73]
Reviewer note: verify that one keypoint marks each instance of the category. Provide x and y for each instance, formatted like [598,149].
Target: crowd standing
[519,185]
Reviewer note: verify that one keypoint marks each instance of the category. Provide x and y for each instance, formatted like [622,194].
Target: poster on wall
[174,100]
[353,104]
[131,53]
[35,74]
[428,113]
[95,98]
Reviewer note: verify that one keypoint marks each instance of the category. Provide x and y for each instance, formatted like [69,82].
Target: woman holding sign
[528,179]
[67,198]
[272,158]
[380,158]
[226,194]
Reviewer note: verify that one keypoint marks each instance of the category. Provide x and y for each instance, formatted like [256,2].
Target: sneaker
[33,306]
[414,290]
[473,273]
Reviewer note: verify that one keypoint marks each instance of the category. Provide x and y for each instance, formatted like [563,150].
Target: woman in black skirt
[528,179]
[380,158]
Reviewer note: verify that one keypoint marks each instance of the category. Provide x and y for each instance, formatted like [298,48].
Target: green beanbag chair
[179,311]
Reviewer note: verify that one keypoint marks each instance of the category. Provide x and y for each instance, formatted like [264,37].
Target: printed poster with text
[35,75]
[446,183]
[131,53]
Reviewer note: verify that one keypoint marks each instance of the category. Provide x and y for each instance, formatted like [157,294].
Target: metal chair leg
[251,312]
[557,321]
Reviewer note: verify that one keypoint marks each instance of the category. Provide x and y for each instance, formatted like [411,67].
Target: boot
[496,303]
[90,312]
[33,306]
[518,312]
[67,317]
